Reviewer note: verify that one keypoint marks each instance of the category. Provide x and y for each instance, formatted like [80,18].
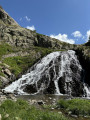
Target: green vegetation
[5,49]
[1,74]
[44,51]
[20,110]
[75,106]
[19,64]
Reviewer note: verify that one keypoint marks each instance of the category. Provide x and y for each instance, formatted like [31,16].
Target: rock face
[57,73]
[6,18]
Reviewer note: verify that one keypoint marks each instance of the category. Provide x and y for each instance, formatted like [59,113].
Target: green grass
[1,73]
[45,51]
[5,49]
[20,110]
[19,63]
[75,106]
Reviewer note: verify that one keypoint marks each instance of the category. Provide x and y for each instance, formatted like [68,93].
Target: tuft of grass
[1,73]
[75,106]
[21,110]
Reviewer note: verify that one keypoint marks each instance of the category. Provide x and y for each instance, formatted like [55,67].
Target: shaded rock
[7,72]
[41,102]
[30,89]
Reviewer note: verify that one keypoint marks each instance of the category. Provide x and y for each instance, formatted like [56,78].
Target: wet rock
[30,89]
[41,102]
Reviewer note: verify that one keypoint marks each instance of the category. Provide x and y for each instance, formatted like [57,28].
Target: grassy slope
[20,110]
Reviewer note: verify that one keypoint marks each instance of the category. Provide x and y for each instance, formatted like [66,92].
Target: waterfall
[87,91]
[57,73]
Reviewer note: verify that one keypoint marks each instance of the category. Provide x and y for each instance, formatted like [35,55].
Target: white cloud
[27,18]
[63,37]
[31,27]
[77,34]
[88,35]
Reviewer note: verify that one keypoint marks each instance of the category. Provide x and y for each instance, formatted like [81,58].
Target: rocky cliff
[20,48]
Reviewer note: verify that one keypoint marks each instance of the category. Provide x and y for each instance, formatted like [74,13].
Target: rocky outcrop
[84,58]
[6,18]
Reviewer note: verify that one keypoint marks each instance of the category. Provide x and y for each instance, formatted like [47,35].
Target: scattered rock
[50,98]
[4,80]
[7,115]
[31,102]
[12,97]
[7,72]
[60,112]
[3,98]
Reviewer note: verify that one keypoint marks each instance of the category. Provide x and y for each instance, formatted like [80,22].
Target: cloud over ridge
[63,37]
[77,34]
[31,27]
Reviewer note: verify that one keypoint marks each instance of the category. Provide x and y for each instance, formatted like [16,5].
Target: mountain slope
[20,48]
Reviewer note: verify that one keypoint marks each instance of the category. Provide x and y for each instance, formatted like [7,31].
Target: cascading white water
[87,91]
[56,73]
[34,75]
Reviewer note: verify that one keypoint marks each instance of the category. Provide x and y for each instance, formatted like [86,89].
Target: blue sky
[67,20]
